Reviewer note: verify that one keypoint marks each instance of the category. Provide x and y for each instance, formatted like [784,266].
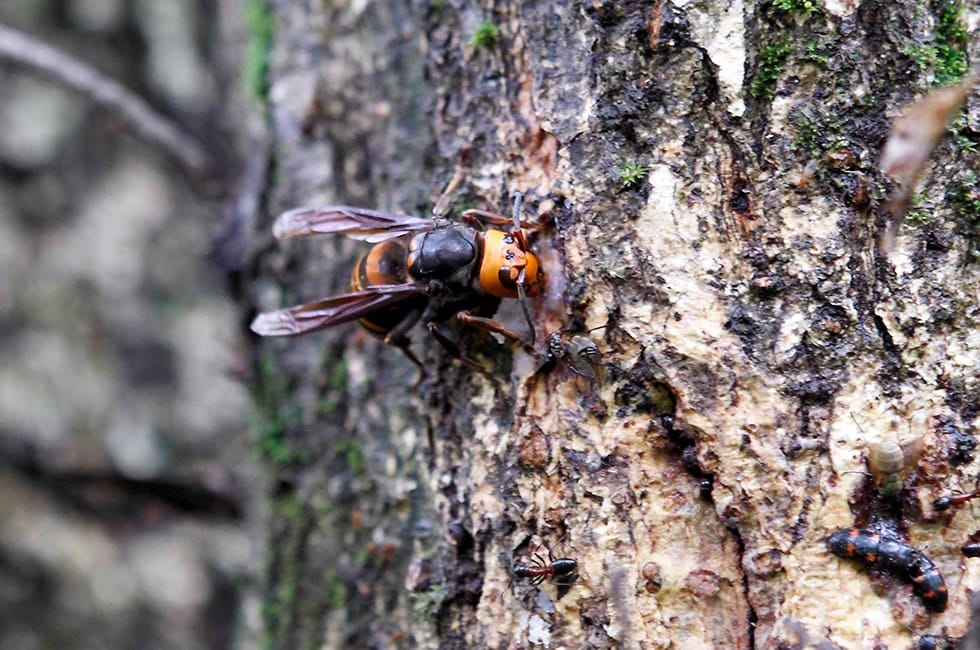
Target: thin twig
[147,123]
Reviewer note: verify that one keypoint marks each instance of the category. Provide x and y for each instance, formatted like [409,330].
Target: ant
[972,546]
[946,502]
[560,570]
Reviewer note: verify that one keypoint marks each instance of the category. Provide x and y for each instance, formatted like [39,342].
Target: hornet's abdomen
[383,264]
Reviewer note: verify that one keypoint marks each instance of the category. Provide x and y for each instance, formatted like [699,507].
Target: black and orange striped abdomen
[383,264]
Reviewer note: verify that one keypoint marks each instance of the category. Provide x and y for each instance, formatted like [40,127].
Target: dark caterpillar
[894,555]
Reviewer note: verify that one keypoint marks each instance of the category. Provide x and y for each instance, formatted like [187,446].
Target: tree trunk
[704,176]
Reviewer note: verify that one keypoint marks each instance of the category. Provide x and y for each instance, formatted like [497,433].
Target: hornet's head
[506,262]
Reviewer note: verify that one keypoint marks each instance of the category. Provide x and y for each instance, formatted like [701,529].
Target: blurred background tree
[124,463]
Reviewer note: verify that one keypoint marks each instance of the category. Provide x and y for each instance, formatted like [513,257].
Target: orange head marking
[504,257]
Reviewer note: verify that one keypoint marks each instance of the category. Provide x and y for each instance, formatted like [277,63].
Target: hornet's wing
[328,312]
[358,223]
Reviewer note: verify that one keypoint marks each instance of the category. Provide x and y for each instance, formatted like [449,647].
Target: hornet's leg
[397,337]
[491,325]
[480,218]
[399,331]
[442,204]
[403,345]
[454,350]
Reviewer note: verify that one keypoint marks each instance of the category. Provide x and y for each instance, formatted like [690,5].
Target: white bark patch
[721,31]
[539,632]
[779,110]
[489,441]
[791,332]
[840,8]
[818,221]
[670,235]
[951,351]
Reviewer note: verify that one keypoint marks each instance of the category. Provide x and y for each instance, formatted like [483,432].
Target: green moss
[817,132]
[337,379]
[288,589]
[260,27]
[951,64]
[335,590]
[486,35]
[965,199]
[923,56]
[271,614]
[361,556]
[808,136]
[272,413]
[951,41]
[814,53]
[271,444]
[275,613]
[353,456]
[291,508]
[631,174]
[327,405]
[946,55]
[426,604]
[918,216]
[324,507]
[771,61]
[336,385]
[799,7]
[960,130]
[917,212]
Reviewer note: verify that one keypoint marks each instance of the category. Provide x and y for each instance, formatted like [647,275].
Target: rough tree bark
[706,177]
